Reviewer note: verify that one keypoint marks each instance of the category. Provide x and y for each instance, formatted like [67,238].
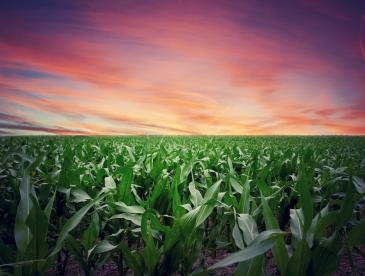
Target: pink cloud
[184,69]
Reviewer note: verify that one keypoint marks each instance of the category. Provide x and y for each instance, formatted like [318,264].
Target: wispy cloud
[198,67]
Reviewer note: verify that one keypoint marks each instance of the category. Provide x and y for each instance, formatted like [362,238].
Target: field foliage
[159,205]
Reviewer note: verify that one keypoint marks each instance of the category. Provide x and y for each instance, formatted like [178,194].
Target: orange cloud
[191,68]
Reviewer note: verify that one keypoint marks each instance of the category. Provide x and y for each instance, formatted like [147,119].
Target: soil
[345,269]
[110,268]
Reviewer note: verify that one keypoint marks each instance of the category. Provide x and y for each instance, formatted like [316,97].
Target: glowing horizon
[182,67]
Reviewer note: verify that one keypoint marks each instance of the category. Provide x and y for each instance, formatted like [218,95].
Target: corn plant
[161,205]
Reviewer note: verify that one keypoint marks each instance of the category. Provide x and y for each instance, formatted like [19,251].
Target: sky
[182,67]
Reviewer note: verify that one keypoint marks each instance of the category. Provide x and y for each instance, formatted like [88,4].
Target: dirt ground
[110,269]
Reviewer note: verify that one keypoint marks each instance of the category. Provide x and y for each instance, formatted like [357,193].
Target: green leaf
[124,187]
[268,234]
[109,183]
[131,259]
[72,222]
[250,267]
[48,209]
[103,247]
[356,236]
[237,237]
[248,227]
[157,191]
[311,231]
[306,201]
[326,255]
[37,222]
[247,253]
[212,191]
[135,218]
[323,223]
[176,200]
[92,232]
[235,185]
[151,253]
[297,223]
[359,184]
[196,197]
[279,250]
[79,196]
[158,166]
[131,153]
[100,175]
[263,187]
[299,261]
[187,207]
[122,207]
[66,174]
[347,207]
[245,198]
[204,213]
[22,231]
[231,170]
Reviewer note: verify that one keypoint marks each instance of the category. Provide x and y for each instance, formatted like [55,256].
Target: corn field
[159,205]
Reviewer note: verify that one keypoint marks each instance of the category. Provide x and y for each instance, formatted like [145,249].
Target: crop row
[158,205]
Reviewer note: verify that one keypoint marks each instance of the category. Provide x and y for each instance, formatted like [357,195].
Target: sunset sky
[182,67]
